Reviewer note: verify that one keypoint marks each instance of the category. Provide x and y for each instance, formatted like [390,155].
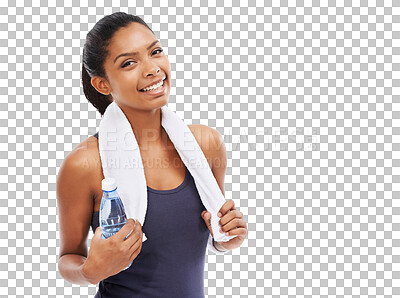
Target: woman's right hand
[110,256]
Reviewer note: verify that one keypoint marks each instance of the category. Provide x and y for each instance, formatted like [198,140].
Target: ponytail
[98,100]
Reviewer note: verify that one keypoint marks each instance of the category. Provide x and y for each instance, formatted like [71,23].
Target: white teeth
[154,86]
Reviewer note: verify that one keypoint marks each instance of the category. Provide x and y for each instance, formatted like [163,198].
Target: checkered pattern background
[306,95]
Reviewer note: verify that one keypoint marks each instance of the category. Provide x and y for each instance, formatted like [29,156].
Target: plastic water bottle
[112,216]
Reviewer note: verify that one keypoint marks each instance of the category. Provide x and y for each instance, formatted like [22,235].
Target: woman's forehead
[134,37]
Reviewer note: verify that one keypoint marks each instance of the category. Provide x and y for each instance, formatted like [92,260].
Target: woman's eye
[124,65]
[158,50]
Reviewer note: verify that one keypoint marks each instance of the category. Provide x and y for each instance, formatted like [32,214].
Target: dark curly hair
[95,52]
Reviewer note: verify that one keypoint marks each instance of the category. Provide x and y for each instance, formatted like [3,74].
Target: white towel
[121,159]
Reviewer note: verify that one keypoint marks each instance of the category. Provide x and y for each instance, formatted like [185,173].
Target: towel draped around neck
[121,159]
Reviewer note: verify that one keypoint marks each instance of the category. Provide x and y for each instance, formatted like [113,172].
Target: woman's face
[128,73]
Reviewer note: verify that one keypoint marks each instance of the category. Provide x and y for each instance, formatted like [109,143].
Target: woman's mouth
[156,89]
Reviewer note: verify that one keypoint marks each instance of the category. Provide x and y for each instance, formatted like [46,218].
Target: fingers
[237,231]
[233,225]
[127,229]
[98,232]
[230,216]
[206,215]
[135,235]
[207,219]
[135,249]
[227,206]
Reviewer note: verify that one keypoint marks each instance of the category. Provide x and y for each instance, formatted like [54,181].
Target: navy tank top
[171,261]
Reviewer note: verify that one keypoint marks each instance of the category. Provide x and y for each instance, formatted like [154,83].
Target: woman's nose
[151,69]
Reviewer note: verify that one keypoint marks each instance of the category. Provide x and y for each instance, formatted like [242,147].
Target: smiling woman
[133,69]
[123,61]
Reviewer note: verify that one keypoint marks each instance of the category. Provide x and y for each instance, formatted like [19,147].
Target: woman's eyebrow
[135,53]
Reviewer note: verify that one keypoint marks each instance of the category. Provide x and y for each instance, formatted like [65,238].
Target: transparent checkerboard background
[306,95]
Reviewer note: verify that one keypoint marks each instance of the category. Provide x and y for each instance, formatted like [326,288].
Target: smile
[155,89]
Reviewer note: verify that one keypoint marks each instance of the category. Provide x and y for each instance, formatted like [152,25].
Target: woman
[121,60]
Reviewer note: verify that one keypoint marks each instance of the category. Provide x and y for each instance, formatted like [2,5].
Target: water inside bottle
[112,216]
[112,225]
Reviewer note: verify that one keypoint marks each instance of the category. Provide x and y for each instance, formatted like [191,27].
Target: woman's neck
[146,126]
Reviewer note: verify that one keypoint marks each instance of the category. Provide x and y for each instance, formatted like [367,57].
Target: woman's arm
[75,208]
[213,147]
[218,157]
[71,268]
[219,163]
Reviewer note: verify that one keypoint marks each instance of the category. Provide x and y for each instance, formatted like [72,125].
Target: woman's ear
[101,85]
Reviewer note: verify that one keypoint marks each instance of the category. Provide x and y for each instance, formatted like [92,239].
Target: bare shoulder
[83,161]
[74,189]
[211,143]
[85,153]
[213,147]
[207,137]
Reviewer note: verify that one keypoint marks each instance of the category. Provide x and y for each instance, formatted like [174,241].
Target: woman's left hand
[231,223]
